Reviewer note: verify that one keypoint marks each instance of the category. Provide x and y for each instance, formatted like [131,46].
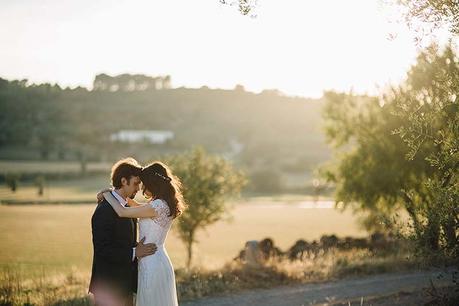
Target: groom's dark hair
[127,168]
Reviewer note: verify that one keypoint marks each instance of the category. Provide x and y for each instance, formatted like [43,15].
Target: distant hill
[258,131]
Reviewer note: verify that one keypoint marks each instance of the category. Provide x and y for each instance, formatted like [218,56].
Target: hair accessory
[163,177]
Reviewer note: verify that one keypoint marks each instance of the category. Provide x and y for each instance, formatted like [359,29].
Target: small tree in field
[208,181]
[12,181]
[40,182]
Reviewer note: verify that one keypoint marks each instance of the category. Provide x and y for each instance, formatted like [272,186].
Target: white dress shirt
[120,199]
[123,203]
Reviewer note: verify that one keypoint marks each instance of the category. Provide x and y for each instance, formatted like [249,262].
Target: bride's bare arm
[142,211]
[131,202]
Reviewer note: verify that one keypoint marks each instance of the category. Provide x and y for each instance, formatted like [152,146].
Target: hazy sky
[300,47]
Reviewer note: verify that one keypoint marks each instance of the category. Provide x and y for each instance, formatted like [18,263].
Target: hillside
[265,131]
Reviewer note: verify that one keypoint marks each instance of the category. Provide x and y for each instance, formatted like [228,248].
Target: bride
[156,279]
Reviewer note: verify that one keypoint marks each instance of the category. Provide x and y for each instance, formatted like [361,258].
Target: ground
[384,289]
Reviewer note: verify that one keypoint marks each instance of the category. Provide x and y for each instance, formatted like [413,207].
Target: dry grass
[236,276]
[59,236]
[46,251]
[19,288]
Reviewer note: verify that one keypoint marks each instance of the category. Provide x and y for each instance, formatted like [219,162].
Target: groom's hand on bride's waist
[142,250]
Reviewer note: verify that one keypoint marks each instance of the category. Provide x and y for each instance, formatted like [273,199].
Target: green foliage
[402,151]
[31,114]
[208,182]
[255,130]
[130,82]
[427,15]
[245,7]
[370,168]
[429,107]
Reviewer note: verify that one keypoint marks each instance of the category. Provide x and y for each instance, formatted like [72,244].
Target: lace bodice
[156,281]
[155,229]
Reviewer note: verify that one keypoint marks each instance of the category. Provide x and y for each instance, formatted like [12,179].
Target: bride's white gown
[156,282]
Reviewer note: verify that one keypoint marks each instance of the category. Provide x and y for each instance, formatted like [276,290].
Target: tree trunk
[189,247]
[451,222]
[450,232]
[432,235]
[83,164]
[411,209]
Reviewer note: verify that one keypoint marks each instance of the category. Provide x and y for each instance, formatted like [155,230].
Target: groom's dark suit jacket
[113,239]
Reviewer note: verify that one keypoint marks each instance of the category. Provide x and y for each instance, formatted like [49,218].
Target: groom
[114,268]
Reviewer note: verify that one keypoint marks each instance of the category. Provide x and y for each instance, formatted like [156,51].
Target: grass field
[58,237]
[46,250]
[22,166]
[83,190]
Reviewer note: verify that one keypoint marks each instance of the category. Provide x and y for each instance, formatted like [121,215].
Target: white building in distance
[151,136]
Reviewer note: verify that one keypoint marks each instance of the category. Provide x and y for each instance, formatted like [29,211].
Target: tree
[12,181]
[40,182]
[429,107]
[245,7]
[401,151]
[427,16]
[31,115]
[208,182]
[370,168]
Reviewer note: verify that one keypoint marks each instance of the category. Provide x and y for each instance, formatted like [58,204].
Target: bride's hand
[131,202]
[100,194]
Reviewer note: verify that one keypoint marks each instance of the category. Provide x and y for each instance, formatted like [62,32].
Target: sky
[296,46]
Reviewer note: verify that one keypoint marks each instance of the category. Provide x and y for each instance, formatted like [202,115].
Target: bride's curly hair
[159,180]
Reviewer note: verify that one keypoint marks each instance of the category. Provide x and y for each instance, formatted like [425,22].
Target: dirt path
[331,292]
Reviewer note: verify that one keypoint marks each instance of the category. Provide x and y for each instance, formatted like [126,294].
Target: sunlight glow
[298,47]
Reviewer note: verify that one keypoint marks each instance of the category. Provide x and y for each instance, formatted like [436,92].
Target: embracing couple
[121,265]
